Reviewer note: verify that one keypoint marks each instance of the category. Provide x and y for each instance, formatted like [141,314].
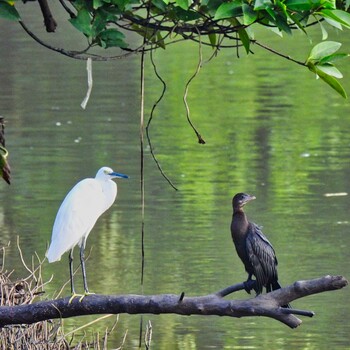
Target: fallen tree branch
[268,305]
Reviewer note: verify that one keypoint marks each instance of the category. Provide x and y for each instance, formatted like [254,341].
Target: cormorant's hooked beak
[118,175]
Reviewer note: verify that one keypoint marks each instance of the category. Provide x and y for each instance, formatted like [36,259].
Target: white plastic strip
[89,73]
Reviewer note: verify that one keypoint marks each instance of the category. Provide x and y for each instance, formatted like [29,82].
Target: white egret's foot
[75,295]
[84,295]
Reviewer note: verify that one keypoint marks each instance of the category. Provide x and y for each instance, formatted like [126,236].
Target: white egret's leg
[71,272]
[82,260]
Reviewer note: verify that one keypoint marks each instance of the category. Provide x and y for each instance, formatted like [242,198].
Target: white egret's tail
[53,256]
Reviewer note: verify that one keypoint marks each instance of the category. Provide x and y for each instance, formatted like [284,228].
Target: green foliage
[206,16]
[228,10]
[321,61]
[105,23]
[8,11]
[340,17]
[112,37]
[83,22]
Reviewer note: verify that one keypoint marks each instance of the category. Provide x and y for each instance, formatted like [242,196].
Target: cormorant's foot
[84,295]
[247,286]
[256,289]
[74,295]
[288,306]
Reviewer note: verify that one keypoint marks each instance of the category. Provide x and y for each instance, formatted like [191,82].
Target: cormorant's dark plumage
[253,248]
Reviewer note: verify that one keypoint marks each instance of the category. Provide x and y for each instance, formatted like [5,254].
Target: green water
[271,129]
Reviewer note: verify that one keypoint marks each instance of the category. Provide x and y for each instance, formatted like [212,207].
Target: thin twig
[4,257]
[278,53]
[123,341]
[68,10]
[23,262]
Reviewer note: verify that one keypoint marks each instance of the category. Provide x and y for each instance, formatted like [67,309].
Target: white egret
[77,215]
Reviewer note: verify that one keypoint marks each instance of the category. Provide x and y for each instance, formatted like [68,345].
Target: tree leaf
[330,70]
[300,5]
[160,4]
[160,41]
[331,81]
[332,58]
[262,4]
[97,4]
[112,38]
[296,20]
[99,23]
[323,49]
[123,5]
[183,4]
[243,35]
[324,31]
[282,24]
[82,21]
[265,5]
[9,11]
[339,16]
[213,39]
[181,14]
[249,15]
[228,10]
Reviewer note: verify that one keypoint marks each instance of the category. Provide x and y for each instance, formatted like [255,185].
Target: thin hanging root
[150,120]
[199,136]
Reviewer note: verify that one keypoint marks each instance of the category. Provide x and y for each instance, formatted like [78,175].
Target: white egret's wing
[76,217]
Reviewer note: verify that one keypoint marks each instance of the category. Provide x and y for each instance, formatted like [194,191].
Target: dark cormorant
[254,249]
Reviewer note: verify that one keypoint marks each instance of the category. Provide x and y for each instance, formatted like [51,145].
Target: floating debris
[336,194]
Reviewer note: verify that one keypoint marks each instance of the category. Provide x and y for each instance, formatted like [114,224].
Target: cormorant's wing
[262,257]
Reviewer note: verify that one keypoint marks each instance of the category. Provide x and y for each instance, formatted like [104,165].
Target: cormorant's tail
[274,286]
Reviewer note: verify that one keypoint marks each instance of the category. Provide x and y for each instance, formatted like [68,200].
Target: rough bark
[49,21]
[268,305]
